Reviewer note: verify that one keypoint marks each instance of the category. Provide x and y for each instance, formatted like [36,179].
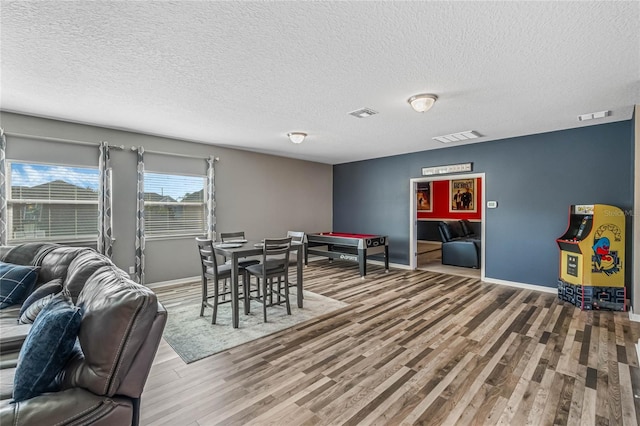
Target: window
[173,204]
[48,202]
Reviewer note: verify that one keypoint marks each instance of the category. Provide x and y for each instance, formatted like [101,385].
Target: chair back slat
[296,236]
[226,236]
[208,260]
[275,252]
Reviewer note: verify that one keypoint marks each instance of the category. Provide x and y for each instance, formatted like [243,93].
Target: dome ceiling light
[423,102]
[296,137]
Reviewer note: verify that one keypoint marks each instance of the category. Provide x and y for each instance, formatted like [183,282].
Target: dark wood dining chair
[211,272]
[296,237]
[227,237]
[274,265]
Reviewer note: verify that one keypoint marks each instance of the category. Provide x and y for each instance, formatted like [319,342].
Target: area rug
[194,337]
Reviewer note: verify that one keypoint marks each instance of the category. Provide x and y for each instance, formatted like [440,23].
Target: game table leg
[362,260]
[386,259]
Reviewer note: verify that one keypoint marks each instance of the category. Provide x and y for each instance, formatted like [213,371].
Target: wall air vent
[363,112]
[456,137]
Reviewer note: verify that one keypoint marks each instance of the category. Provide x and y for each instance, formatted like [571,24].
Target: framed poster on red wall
[423,194]
[462,195]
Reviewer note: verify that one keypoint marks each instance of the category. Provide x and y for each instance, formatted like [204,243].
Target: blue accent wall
[533,178]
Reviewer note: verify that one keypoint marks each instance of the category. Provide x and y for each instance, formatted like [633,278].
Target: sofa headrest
[28,253]
[117,317]
[450,230]
[56,263]
[467,229]
[81,267]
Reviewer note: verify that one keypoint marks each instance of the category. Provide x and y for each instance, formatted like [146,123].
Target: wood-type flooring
[412,347]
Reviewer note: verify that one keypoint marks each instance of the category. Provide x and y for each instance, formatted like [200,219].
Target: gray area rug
[194,337]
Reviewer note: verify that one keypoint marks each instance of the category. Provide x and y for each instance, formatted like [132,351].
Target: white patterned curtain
[3,193]
[140,240]
[210,200]
[105,221]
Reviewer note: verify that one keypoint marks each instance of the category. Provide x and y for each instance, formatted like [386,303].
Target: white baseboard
[391,265]
[521,285]
[179,281]
[632,316]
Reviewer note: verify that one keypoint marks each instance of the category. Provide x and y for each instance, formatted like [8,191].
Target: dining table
[236,249]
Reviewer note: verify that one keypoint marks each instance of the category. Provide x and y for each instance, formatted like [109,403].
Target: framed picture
[424,202]
[462,195]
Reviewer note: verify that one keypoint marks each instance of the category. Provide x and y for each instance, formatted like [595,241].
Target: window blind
[49,202]
[173,204]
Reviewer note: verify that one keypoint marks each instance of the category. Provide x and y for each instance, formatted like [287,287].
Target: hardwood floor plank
[412,347]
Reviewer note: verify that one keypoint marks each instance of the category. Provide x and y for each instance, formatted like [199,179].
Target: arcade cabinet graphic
[592,258]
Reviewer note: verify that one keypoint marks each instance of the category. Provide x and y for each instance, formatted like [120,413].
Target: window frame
[84,239]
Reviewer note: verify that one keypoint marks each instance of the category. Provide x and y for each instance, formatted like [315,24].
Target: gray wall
[534,179]
[261,194]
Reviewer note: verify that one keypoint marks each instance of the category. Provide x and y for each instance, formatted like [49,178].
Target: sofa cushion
[52,287]
[16,282]
[47,348]
[6,382]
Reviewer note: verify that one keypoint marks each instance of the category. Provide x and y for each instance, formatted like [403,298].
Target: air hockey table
[350,247]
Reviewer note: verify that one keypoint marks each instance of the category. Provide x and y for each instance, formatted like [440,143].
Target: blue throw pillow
[47,347]
[16,282]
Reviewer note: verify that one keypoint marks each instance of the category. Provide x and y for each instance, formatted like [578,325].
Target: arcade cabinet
[592,258]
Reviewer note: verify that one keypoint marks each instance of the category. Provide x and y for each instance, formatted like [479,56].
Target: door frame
[413,219]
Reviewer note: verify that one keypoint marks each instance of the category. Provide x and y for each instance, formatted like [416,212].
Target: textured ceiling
[243,74]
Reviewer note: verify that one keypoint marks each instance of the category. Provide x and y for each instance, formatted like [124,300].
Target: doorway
[427,250]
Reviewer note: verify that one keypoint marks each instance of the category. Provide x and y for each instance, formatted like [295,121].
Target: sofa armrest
[461,253]
[71,406]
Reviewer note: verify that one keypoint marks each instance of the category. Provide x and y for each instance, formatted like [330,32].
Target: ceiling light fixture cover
[296,137]
[423,102]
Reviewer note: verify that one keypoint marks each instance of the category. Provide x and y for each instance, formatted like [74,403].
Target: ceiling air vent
[363,112]
[456,137]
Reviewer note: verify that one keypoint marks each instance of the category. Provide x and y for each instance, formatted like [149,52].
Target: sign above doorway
[450,168]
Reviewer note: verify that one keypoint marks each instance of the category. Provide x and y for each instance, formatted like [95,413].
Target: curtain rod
[174,154]
[77,142]
[50,139]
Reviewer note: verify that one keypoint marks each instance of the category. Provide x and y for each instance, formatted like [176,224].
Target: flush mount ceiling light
[296,137]
[423,102]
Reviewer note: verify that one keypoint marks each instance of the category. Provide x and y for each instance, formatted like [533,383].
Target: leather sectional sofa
[460,246]
[121,327]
